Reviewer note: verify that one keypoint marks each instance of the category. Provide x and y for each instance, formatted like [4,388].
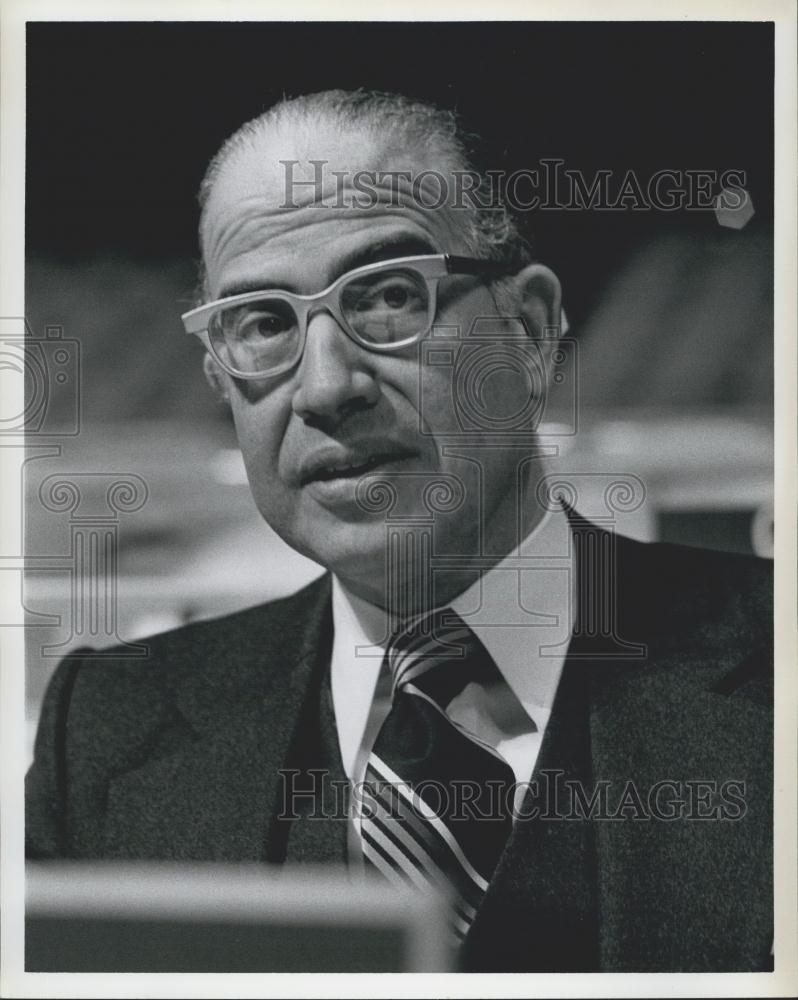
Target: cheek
[456,366]
[259,428]
[435,402]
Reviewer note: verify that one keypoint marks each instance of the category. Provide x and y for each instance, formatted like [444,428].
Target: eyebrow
[401,245]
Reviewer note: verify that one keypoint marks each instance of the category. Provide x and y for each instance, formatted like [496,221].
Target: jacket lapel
[539,912]
[687,731]
[317,831]
[638,892]
[217,796]
[658,894]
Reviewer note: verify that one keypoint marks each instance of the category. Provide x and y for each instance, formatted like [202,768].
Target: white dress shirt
[523,612]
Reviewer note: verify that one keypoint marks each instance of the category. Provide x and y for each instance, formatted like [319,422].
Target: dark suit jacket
[177,757]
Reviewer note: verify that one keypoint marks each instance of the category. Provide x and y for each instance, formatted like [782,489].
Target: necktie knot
[438,654]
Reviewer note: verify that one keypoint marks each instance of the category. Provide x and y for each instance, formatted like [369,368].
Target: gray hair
[489,232]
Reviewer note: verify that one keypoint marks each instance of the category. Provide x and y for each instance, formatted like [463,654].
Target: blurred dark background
[123,117]
[672,310]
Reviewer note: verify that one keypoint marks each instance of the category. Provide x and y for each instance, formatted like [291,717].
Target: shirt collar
[522,609]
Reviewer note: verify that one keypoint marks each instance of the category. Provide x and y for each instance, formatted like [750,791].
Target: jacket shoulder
[702,607]
[211,647]
[697,585]
[105,713]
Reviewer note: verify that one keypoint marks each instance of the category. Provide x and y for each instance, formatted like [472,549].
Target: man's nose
[335,377]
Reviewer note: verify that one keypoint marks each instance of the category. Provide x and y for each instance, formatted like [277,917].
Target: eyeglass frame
[197,321]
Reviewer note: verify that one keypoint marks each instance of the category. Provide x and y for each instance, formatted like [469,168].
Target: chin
[350,551]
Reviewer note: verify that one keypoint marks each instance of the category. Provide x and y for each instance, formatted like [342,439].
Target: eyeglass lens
[386,307]
[382,308]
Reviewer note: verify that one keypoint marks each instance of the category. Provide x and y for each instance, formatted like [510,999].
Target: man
[563,731]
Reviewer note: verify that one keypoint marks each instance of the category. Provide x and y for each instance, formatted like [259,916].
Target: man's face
[310,434]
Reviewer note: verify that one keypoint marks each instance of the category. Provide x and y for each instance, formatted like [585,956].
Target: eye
[395,293]
[395,296]
[262,321]
[267,324]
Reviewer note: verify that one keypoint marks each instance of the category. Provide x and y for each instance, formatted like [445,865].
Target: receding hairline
[434,134]
[298,121]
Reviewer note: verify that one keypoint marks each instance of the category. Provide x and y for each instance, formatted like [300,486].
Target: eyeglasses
[382,307]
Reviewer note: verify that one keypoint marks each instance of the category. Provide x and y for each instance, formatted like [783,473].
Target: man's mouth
[351,463]
[351,471]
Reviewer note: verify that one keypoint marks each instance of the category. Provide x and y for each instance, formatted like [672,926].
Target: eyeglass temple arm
[473,265]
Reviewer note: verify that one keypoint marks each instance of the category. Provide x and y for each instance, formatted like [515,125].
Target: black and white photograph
[398,449]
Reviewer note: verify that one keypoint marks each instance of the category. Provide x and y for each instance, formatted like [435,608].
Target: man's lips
[351,461]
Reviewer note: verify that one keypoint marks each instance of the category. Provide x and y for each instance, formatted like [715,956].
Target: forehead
[289,203]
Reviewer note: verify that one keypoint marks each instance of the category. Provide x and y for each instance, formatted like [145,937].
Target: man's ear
[539,298]
[217,379]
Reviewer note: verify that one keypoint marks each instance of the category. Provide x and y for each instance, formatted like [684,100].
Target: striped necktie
[436,810]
